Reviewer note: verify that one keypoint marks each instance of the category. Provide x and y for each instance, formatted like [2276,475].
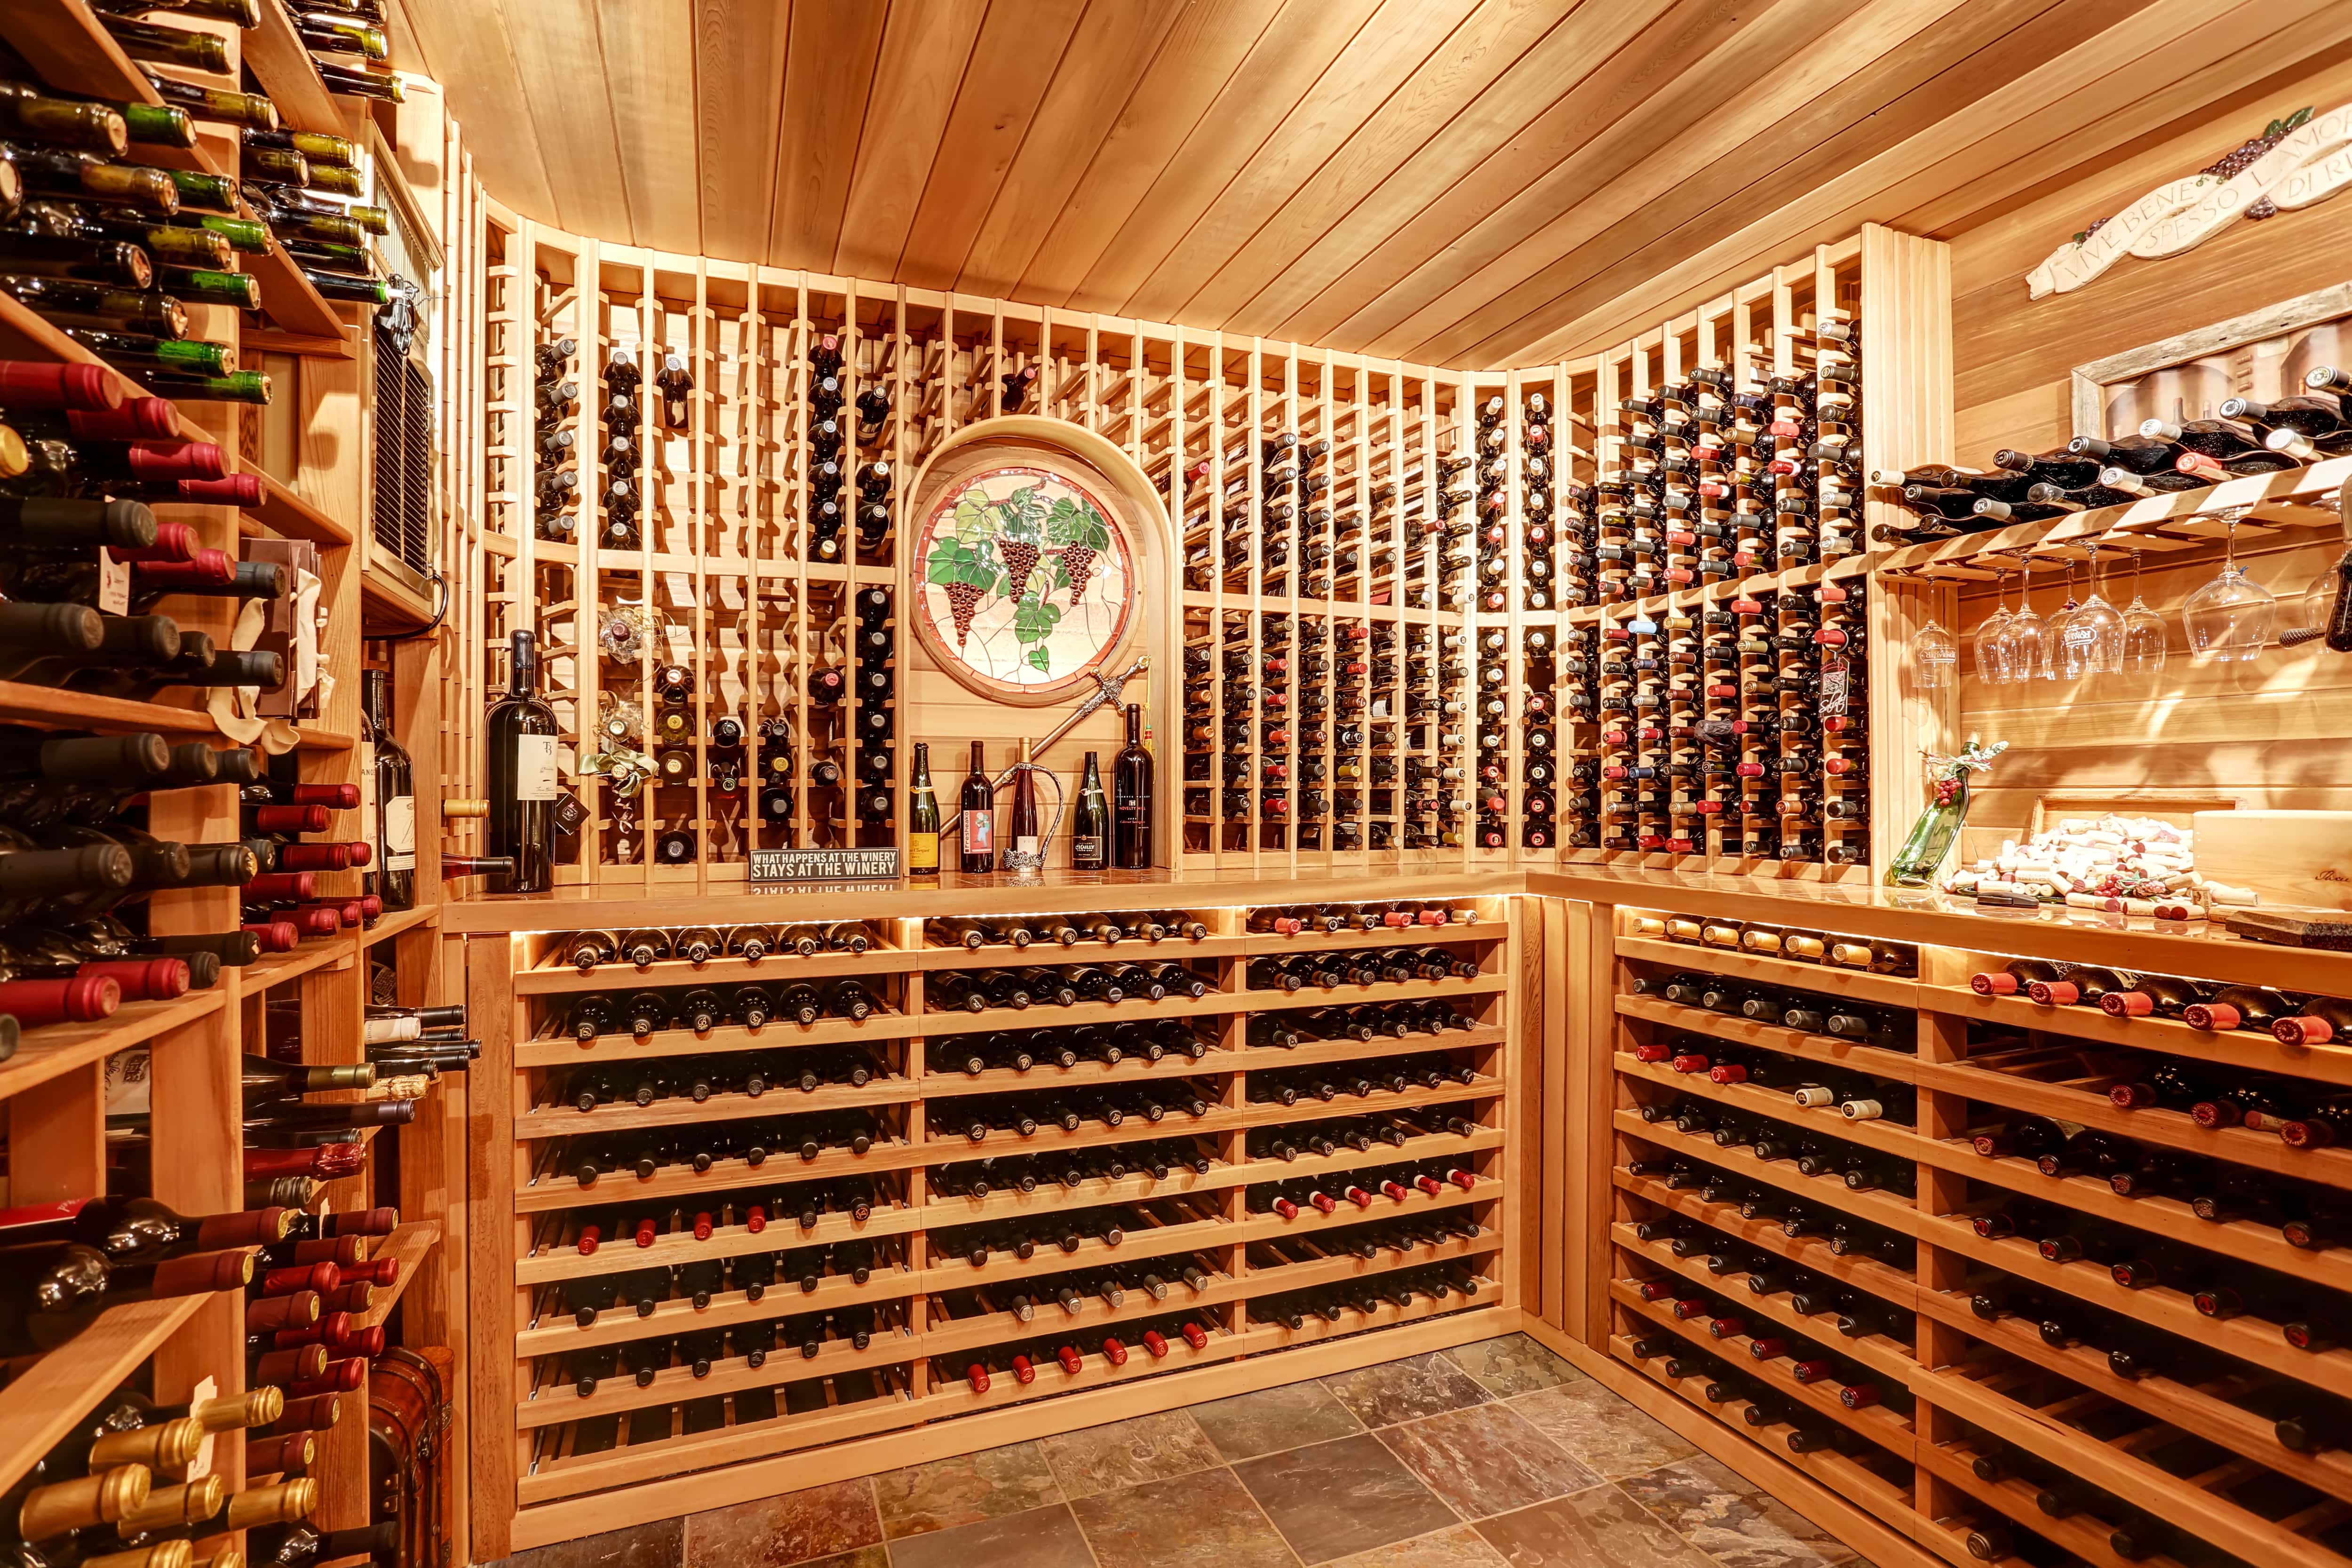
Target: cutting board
[2298,859]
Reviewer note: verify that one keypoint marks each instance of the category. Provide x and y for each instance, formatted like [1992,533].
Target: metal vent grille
[403,459]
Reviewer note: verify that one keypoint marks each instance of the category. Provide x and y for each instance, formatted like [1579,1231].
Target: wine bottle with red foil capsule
[2251,1007]
[2014,979]
[2320,1021]
[2156,996]
[51,1292]
[2080,985]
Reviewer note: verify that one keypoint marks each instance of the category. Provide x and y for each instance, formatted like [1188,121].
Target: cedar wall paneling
[2235,732]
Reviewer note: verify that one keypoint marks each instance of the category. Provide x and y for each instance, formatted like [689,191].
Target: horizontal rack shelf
[556,979]
[1862,985]
[25,704]
[1892,1139]
[2170,1129]
[2015,1499]
[1167,949]
[1879,1208]
[726,1310]
[1839,1472]
[1891,1285]
[1827,1050]
[314,953]
[398,923]
[406,1247]
[554,1263]
[2237,1049]
[39,1409]
[560,1190]
[558,1402]
[558,1120]
[2249,1338]
[53,1048]
[1889,1358]
[776,1034]
[2249,1241]
[2207,1414]
[1882,1427]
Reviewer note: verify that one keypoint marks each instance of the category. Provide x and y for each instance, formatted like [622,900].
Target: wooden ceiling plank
[926,47]
[475,55]
[1098,76]
[2110,75]
[1787,53]
[1487,142]
[648,48]
[1204,52]
[1288,58]
[1020,46]
[1450,87]
[2077,157]
[2003,247]
[1606,123]
[563,72]
[828,75]
[1874,82]
[1376,62]
[739,55]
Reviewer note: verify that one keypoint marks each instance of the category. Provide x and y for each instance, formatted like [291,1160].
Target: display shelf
[39,1406]
[53,705]
[2238,1049]
[1889,1358]
[274,52]
[291,517]
[314,953]
[1828,1050]
[398,922]
[52,1049]
[406,1246]
[1860,984]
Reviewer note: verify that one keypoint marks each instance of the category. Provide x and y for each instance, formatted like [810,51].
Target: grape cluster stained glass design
[1026,583]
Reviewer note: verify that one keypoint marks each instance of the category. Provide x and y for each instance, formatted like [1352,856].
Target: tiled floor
[1493,1454]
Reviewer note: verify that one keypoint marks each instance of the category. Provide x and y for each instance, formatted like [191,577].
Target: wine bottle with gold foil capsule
[57,1516]
[922,817]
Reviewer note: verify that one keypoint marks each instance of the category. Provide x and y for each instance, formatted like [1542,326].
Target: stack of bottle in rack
[555,401]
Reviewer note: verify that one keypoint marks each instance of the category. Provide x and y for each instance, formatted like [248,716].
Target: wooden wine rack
[1971,1405]
[912,1374]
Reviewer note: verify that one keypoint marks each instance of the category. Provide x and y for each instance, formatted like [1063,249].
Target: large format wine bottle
[389,818]
[520,732]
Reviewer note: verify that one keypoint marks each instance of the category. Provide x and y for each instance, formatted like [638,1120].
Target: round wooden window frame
[987,461]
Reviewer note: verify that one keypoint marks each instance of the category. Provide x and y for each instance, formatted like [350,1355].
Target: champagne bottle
[922,817]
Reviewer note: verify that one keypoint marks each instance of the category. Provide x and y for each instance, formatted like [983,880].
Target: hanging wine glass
[2027,635]
[1991,649]
[2058,660]
[2094,631]
[2144,632]
[2229,619]
[1934,657]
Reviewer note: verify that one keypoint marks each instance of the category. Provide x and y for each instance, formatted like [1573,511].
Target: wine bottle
[1021,824]
[978,824]
[520,733]
[1132,803]
[1090,821]
[388,797]
[922,817]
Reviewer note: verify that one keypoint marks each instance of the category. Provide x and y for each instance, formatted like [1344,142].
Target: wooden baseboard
[591,1515]
[1869,1536]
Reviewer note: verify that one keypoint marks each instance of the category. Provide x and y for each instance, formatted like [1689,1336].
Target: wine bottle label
[367,791]
[978,833]
[535,767]
[400,833]
[1087,852]
[113,585]
[127,1077]
[922,853]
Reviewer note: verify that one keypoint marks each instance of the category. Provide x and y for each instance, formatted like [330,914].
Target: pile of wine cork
[2117,865]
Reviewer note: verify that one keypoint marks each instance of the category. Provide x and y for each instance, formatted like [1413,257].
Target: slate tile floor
[1496,1454]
